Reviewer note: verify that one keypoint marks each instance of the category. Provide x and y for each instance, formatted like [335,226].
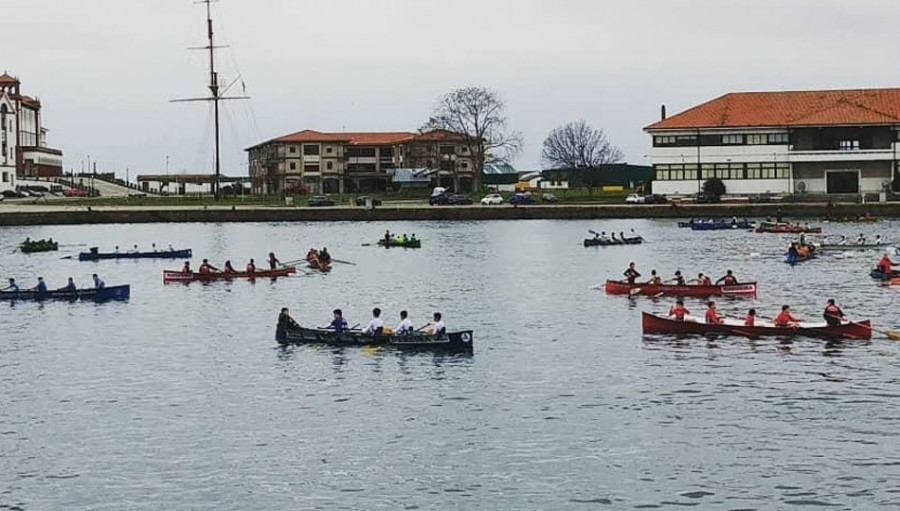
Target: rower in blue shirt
[338,324]
[98,284]
[70,287]
[13,287]
[41,286]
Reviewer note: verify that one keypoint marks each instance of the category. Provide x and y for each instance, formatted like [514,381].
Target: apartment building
[28,140]
[320,162]
[804,142]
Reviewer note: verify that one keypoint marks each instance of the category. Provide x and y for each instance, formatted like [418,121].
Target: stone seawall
[136,215]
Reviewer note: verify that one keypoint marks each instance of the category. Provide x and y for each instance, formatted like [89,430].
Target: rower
[833,313]
[186,268]
[614,240]
[750,320]
[338,324]
[13,287]
[251,267]
[117,249]
[41,286]
[792,251]
[98,282]
[679,279]
[712,314]
[273,261]
[729,279]
[387,237]
[861,240]
[376,326]
[324,256]
[885,265]
[405,327]
[206,268]
[412,237]
[703,280]
[679,311]
[153,246]
[438,328]
[785,319]
[171,249]
[631,274]
[603,236]
[135,249]
[655,279]
[877,239]
[70,286]
[285,322]
[228,268]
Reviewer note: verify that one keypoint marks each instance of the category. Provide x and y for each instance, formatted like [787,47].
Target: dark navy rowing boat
[93,255]
[92,294]
[455,342]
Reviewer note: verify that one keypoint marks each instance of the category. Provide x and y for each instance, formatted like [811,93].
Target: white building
[8,146]
[816,142]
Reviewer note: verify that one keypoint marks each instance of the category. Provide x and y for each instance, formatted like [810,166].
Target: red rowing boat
[787,228]
[654,324]
[617,287]
[178,276]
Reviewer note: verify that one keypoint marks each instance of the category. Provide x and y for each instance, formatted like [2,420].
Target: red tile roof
[791,108]
[5,78]
[365,138]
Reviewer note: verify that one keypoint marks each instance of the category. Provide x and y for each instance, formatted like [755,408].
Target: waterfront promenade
[61,214]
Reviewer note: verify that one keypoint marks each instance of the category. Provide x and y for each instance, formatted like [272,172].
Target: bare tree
[478,114]
[578,144]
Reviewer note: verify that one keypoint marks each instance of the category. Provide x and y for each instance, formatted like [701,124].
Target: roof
[791,108]
[363,138]
[5,78]
[419,175]
[499,168]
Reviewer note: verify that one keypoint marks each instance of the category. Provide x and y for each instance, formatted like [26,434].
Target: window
[6,177]
[329,150]
[311,150]
[756,139]
[663,141]
[662,172]
[779,138]
[676,172]
[782,170]
[361,152]
[736,171]
[293,149]
[293,165]
[310,168]
[329,165]
[707,171]
[464,165]
[684,140]
[768,171]
[447,165]
[732,139]
[690,172]
[754,171]
[722,170]
[849,145]
[448,149]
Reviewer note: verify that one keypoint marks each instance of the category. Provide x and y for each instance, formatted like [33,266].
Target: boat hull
[454,342]
[597,242]
[792,259]
[787,228]
[721,226]
[851,246]
[879,275]
[159,254]
[653,324]
[408,244]
[177,276]
[616,287]
[96,295]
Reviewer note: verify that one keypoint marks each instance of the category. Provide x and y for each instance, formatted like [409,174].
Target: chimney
[662,112]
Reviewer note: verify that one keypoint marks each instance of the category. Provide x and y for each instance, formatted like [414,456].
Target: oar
[67,257]
[893,335]
[343,262]
[288,263]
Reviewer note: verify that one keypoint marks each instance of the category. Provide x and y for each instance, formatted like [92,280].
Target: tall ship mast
[215,91]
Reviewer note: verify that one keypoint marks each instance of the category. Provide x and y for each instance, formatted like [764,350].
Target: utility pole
[215,92]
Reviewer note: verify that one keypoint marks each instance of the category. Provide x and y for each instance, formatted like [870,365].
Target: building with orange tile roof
[27,141]
[805,142]
[348,162]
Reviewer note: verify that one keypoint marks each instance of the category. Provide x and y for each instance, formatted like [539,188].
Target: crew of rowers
[41,286]
[206,268]
[135,249]
[833,315]
[612,238]
[318,258]
[375,327]
[392,239]
[631,275]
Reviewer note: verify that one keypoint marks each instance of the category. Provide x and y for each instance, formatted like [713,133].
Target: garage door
[843,182]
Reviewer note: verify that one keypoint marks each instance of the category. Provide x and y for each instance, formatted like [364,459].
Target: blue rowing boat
[94,255]
[92,294]
[879,275]
[721,225]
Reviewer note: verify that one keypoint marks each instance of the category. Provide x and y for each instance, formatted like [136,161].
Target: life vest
[750,320]
[712,317]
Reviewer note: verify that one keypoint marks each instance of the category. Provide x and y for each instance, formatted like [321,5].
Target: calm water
[181,399]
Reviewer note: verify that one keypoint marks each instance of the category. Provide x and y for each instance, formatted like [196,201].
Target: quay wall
[136,215]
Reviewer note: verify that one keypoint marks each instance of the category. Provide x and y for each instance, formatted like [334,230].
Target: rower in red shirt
[251,267]
[186,268]
[750,320]
[655,280]
[679,311]
[703,280]
[712,314]
[785,319]
[206,268]
[885,265]
[729,279]
[833,314]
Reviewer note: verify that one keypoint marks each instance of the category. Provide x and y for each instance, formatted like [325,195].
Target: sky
[106,70]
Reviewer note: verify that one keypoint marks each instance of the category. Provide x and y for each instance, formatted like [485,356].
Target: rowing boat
[456,342]
[93,255]
[878,274]
[653,324]
[852,246]
[600,242]
[92,294]
[410,243]
[318,264]
[721,225]
[787,228]
[30,247]
[793,259]
[617,287]
[178,276]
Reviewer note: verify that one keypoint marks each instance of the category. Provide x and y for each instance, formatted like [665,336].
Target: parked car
[459,200]
[492,199]
[75,192]
[12,194]
[320,200]
[634,199]
[549,197]
[521,198]
[137,194]
[703,198]
[361,201]
[438,199]
[655,199]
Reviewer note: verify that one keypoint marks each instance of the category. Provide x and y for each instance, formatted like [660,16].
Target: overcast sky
[105,70]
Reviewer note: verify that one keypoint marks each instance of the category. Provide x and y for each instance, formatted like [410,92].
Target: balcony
[828,155]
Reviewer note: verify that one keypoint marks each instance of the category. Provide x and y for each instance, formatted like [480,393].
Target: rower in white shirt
[405,326]
[376,324]
[438,327]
